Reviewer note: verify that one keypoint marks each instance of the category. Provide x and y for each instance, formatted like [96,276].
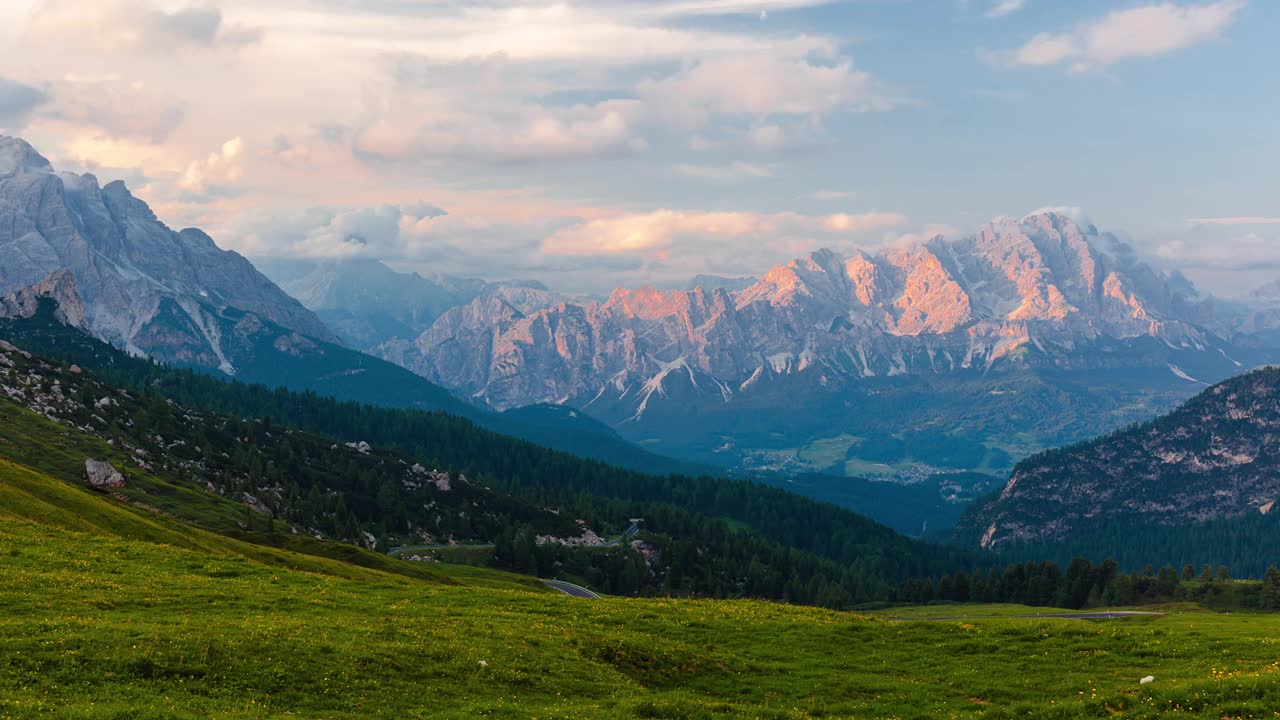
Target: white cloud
[1236,220]
[834,194]
[221,168]
[1001,8]
[1077,214]
[330,232]
[662,229]
[532,133]
[778,86]
[135,26]
[1138,32]
[733,171]
[1217,251]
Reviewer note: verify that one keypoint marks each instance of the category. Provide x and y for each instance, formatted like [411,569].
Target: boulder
[101,475]
[255,504]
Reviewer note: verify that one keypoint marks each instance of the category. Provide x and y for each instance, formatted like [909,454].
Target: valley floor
[96,626]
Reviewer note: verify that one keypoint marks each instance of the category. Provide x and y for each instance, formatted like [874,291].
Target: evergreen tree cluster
[1086,585]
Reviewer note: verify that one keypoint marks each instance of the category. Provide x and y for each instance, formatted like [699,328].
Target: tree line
[1087,585]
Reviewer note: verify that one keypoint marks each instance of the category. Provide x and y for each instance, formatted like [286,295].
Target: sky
[601,143]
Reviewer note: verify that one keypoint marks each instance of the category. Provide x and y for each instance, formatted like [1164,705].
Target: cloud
[17,102]
[834,194]
[1250,251]
[733,171]
[532,133]
[1001,8]
[1077,214]
[217,172]
[415,235]
[661,229]
[1139,32]
[1238,220]
[327,232]
[135,26]
[778,86]
[125,110]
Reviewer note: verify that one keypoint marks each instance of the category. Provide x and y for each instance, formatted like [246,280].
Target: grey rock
[101,475]
[60,287]
[255,504]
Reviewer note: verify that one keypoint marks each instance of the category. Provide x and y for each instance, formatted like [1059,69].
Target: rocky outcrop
[144,287]
[1035,291]
[101,475]
[1217,456]
[60,288]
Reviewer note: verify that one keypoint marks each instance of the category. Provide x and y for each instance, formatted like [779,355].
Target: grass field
[110,612]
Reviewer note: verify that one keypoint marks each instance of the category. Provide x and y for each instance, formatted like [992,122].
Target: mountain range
[908,364]
[128,279]
[760,373]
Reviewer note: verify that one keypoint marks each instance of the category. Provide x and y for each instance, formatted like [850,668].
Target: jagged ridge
[1216,457]
[1041,284]
[171,295]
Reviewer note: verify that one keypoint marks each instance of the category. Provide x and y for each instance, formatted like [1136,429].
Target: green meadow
[112,608]
[109,611]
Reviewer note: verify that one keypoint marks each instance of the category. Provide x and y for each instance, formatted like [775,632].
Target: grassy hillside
[212,445]
[99,626]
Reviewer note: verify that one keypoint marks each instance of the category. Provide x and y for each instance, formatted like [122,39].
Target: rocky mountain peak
[144,287]
[17,157]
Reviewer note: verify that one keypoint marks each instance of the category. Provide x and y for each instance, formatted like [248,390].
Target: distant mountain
[1258,317]
[172,295]
[714,282]
[1215,459]
[1037,316]
[368,303]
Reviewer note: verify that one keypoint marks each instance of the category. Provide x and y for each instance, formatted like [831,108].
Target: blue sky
[597,143]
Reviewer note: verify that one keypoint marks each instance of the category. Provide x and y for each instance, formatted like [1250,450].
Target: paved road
[626,535]
[1102,615]
[570,589]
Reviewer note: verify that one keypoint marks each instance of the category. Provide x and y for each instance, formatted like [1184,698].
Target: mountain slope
[1216,459]
[173,295]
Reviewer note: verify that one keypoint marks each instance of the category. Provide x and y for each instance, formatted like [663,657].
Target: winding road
[570,589]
